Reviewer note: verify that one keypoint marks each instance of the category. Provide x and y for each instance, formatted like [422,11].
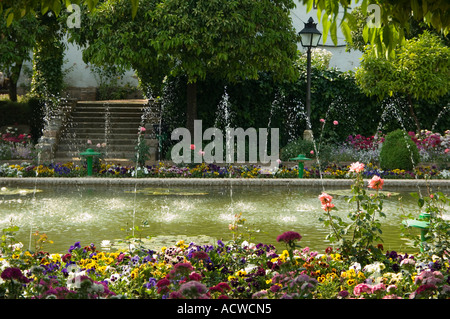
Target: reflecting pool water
[68,214]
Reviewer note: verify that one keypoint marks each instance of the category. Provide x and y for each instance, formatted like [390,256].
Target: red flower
[289,237]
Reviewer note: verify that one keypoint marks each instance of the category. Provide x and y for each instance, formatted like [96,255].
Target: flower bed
[212,171]
[231,270]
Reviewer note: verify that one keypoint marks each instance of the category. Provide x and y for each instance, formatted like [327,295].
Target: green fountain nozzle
[89,154]
[300,158]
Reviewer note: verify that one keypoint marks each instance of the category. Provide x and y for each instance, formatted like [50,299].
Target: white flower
[356,266]
[249,268]
[17,246]
[375,267]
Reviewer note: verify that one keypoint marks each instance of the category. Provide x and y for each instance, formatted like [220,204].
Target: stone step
[102,125]
[115,123]
[101,130]
[90,115]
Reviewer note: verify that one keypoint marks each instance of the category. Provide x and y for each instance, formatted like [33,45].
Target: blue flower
[75,246]
[151,283]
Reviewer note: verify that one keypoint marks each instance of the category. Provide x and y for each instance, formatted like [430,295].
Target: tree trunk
[13,79]
[191,110]
[411,111]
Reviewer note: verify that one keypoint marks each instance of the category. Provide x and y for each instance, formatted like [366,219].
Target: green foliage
[267,103]
[232,40]
[17,41]
[14,112]
[48,59]
[424,67]
[357,238]
[226,39]
[437,238]
[296,147]
[393,17]
[420,69]
[398,151]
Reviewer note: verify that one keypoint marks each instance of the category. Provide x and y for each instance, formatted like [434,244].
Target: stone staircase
[113,125]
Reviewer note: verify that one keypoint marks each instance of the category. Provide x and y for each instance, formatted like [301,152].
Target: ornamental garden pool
[92,214]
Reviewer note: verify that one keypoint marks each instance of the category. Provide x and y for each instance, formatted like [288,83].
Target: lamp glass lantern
[310,36]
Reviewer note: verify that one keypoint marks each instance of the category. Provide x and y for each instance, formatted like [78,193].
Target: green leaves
[420,68]
[391,19]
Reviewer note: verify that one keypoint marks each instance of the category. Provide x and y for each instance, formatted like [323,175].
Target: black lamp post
[309,38]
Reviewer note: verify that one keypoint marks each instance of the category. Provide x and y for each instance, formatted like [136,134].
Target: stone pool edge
[286,182]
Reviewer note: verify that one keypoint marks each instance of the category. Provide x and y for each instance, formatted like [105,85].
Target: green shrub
[12,113]
[398,151]
[296,147]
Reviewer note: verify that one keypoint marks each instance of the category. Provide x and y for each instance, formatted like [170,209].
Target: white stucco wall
[80,74]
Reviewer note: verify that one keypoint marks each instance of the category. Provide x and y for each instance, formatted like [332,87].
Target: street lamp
[309,38]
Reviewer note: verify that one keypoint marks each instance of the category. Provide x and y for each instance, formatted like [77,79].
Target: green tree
[48,57]
[420,70]
[231,40]
[13,9]
[16,43]
[394,15]
[111,40]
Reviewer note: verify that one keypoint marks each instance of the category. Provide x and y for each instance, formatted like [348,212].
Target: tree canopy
[419,70]
[389,18]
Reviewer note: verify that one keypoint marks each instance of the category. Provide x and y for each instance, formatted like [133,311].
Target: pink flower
[192,147]
[202,153]
[357,167]
[362,288]
[195,276]
[289,237]
[378,287]
[142,129]
[376,182]
[447,150]
[327,206]
[322,121]
[325,198]
[312,152]
[89,142]
[335,122]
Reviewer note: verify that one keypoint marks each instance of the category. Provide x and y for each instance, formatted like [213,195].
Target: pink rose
[335,122]
[322,121]
[325,198]
[376,182]
[192,147]
[357,167]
